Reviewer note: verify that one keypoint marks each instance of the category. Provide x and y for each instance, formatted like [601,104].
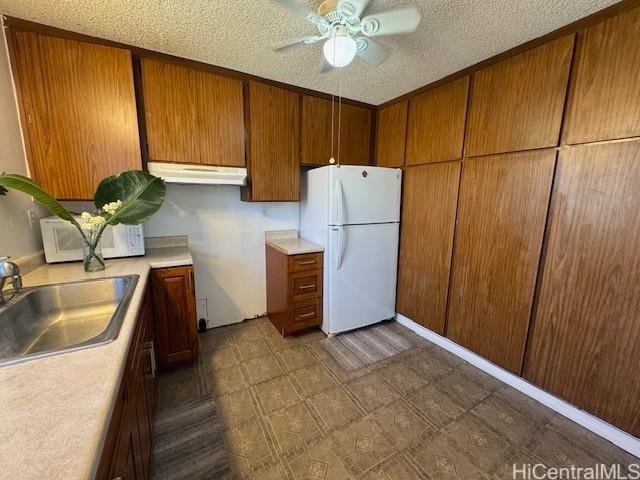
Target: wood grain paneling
[273,147]
[79,107]
[192,116]
[353,123]
[517,104]
[585,336]
[435,130]
[501,219]
[604,101]
[430,195]
[391,135]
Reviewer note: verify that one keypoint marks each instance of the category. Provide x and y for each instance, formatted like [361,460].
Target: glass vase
[92,258]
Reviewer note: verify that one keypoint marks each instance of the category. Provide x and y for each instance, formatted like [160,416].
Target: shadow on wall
[226,239]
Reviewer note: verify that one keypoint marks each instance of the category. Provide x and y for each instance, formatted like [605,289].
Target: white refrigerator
[354,213]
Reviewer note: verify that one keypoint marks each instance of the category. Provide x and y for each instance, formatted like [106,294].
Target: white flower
[112,207]
[90,222]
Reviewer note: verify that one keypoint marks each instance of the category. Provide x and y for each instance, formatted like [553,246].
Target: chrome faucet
[11,271]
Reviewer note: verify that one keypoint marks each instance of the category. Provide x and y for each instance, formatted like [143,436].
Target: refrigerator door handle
[339,203]
[341,246]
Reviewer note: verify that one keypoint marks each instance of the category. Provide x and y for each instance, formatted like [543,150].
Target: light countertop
[55,411]
[289,243]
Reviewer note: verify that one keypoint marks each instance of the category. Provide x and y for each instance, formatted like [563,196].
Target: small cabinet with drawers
[294,290]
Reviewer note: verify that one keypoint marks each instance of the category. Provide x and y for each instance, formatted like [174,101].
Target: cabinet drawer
[305,314]
[305,261]
[304,285]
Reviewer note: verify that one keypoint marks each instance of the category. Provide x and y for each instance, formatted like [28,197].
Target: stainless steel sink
[52,319]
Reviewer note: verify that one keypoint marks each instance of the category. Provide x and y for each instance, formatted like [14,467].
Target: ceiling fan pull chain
[339,115]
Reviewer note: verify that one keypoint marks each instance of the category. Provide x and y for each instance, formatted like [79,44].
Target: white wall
[226,239]
[17,237]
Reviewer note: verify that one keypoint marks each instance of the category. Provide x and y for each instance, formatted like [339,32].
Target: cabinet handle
[191,282]
[306,287]
[306,262]
[307,315]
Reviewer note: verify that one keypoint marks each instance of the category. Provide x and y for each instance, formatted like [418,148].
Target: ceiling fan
[346,33]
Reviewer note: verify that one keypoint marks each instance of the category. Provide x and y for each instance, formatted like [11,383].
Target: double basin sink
[52,319]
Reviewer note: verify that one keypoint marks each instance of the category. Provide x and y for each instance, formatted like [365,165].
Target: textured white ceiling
[236,34]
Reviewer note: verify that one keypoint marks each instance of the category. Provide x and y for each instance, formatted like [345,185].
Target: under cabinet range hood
[198,174]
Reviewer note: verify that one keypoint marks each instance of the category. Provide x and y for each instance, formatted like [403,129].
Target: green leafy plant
[129,198]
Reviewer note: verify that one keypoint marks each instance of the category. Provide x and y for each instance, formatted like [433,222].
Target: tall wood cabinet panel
[192,116]
[354,124]
[391,133]
[79,110]
[436,123]
[274,144]
[585,336]
[606,82]
[501,219]
[517,104]
[429,202]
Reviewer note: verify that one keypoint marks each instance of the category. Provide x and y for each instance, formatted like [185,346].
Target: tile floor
[290,412]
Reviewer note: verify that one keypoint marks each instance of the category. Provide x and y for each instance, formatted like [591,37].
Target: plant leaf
[28,186]
[141,193]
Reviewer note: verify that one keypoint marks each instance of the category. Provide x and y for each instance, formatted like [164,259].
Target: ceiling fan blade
[370,51]
[391,22]
[352,8]
[302,10]
[283,45]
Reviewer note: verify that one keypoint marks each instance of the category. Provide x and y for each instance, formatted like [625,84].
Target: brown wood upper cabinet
[604,100]
[192,116]
[175,301]
[435,130]
[501,219]
[517,104]
[585,336]
[430,196]
[79,112]
[355,132]
[391,135]
[273,144]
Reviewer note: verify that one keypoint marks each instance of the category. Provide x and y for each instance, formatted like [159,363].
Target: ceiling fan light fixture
[340,50]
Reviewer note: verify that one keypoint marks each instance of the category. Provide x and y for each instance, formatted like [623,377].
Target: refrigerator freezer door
[361,275]
[361,194]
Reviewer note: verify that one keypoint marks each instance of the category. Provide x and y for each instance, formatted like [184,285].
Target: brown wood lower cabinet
[127,449]
[586,332]
[175,315]
[502,212]
[294,290]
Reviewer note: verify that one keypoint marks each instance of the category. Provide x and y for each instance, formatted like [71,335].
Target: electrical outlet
[201,309]
[33,219]
[265,211]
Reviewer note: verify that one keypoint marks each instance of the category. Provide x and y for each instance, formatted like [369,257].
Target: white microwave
[63,243]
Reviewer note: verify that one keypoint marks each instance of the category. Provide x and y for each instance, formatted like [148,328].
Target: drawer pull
[306,287]
[307,315]
[306,262]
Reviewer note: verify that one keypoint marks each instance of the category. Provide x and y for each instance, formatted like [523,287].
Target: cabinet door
[274,144]
[429,201]
[391,135]
[175,315]
[603,103]
[435,130]
[353,123]
[585,336]
[192,116]
[80,113]
[501,218]
[517,104]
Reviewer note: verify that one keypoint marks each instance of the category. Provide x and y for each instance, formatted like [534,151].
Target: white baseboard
[598,426]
